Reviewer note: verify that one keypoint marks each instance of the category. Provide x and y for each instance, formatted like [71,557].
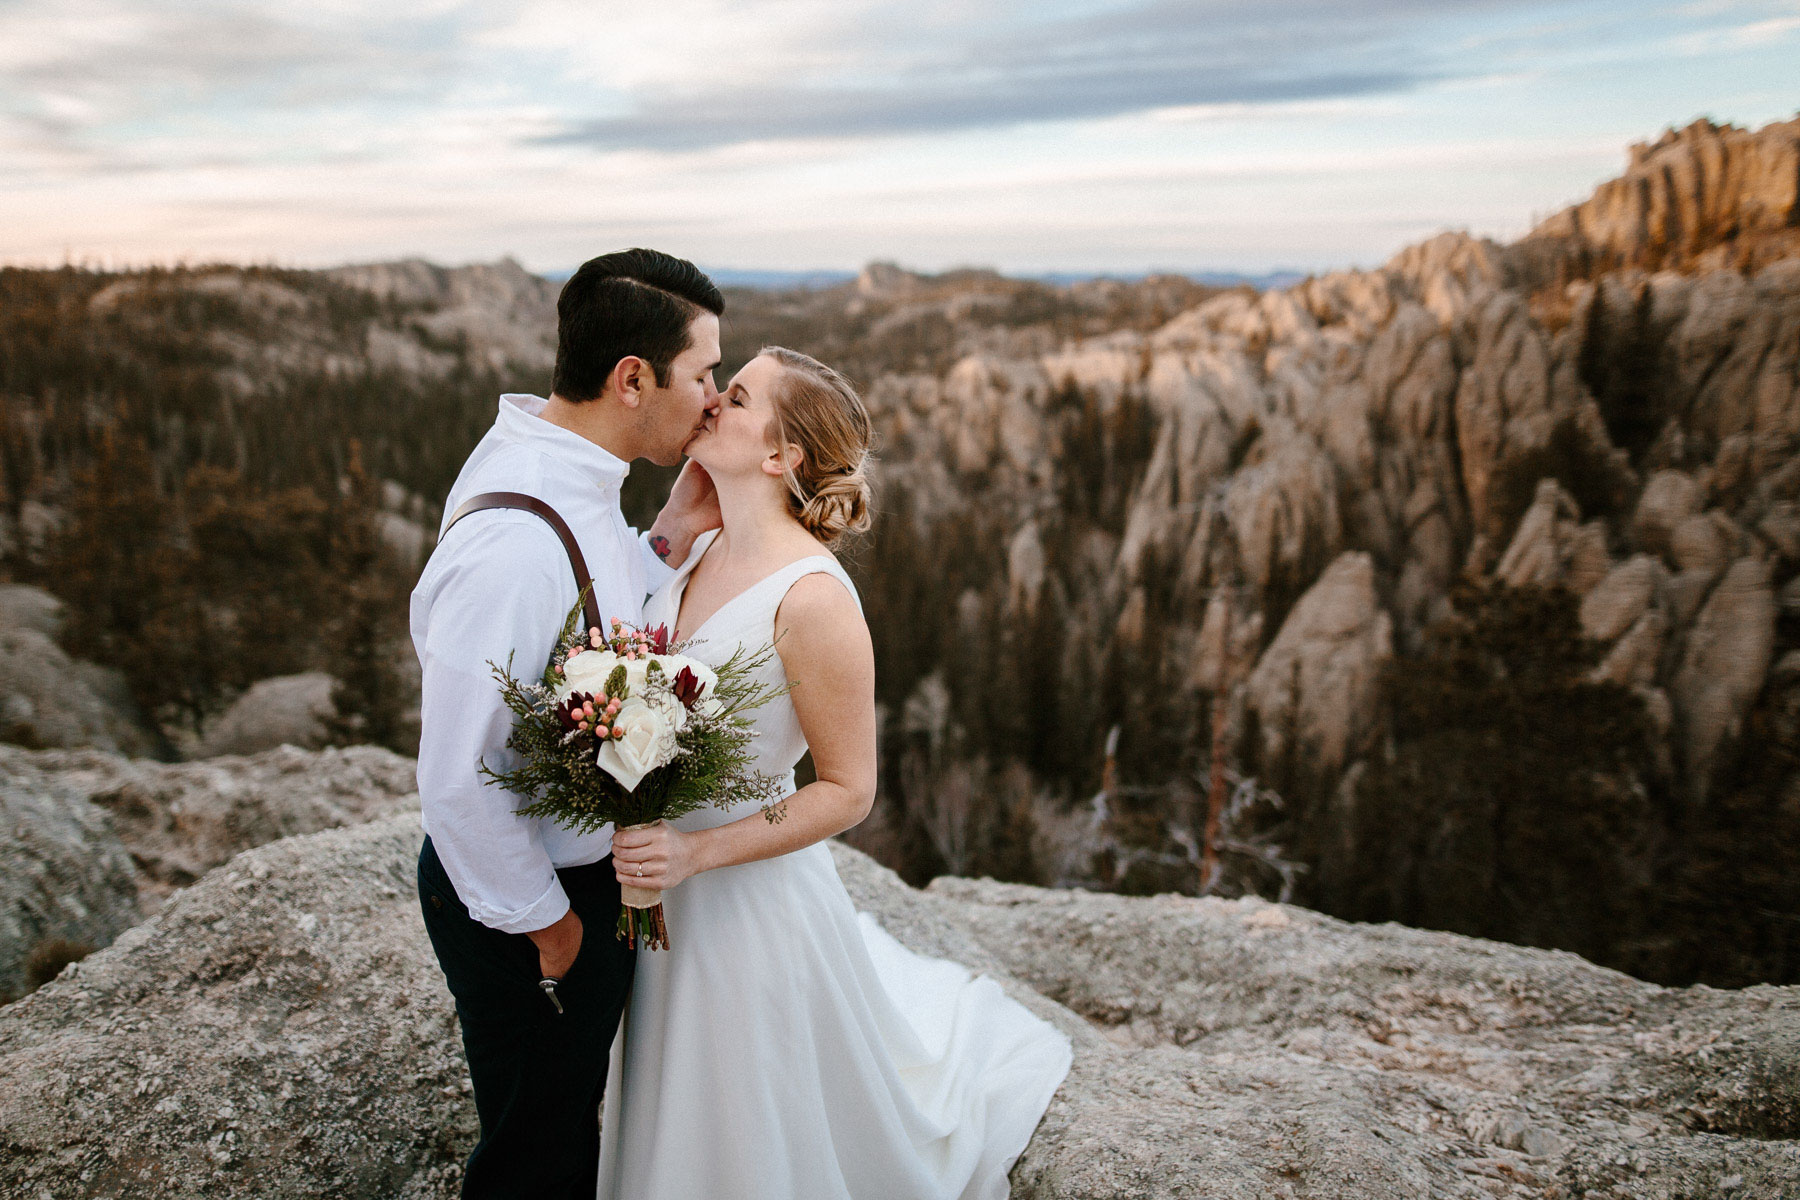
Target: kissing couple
[784,1047]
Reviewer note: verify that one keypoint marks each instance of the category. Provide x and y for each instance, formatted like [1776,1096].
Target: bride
[784,1048]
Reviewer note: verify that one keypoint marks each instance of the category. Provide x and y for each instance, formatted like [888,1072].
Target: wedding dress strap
[584,582]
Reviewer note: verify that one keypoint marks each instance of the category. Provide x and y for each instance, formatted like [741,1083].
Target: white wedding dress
[786,1047]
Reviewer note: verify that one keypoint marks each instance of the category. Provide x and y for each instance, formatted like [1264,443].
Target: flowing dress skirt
[787,1048]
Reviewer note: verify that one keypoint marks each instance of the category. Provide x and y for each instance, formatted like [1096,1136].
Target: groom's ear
[631,378]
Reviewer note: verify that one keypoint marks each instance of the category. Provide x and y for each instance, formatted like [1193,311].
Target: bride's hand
[665,855]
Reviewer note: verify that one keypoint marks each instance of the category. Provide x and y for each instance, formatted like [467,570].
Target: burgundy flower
[687,687]
[568,713]
[659,639]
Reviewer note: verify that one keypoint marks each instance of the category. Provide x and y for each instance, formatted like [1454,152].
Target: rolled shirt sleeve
[501,595]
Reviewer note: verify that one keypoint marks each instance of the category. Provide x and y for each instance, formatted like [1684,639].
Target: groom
[520,911]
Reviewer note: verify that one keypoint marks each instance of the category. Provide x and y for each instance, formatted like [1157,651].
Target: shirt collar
[520,421]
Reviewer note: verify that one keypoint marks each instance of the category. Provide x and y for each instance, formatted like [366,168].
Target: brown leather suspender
[531,504]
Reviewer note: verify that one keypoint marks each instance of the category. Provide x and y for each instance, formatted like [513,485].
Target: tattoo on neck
[660,544]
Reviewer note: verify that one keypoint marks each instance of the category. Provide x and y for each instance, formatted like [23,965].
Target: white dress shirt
[500,585]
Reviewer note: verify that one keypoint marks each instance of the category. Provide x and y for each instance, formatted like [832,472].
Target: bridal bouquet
[623,728]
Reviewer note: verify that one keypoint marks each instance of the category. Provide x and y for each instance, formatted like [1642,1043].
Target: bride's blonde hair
[817,410]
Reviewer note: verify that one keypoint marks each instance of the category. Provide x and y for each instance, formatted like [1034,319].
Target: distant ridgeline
[1482,565]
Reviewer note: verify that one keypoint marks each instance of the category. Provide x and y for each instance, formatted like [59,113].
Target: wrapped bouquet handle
[641,911]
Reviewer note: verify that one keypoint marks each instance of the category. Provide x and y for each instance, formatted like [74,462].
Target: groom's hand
[557,945]
[692,509]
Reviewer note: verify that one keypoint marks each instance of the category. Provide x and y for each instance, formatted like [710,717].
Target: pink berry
[612,706]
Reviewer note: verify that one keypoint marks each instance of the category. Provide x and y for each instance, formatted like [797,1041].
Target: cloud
[1035,133]
[1011,65]
[729,118]
[96,81]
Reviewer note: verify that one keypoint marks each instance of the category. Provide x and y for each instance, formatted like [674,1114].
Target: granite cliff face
[1706,194]
[280,1029]
[1610,406]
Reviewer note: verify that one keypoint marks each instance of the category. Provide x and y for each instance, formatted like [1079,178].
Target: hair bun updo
[838,506]
[817,410]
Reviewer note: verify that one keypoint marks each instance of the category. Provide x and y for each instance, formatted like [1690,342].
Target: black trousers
[538,1073]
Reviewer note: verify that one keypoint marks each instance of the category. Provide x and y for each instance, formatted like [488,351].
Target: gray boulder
[287,710]
[50,699]
[23,607]
[180,820]
[278,1030]
[64,874]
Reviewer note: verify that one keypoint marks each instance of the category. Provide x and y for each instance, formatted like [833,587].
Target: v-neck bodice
[677,587]
[746,620]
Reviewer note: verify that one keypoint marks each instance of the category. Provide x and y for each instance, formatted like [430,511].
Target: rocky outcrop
[99,839]
[64,873]
[50,699]
[1318,677]
[1552,546]
[1273,1051]
[288,710]
[180,820]
[498,312]
[1726,660]
[280,1029]
[1691,191]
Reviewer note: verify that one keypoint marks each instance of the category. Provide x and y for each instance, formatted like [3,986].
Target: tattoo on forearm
[660,544]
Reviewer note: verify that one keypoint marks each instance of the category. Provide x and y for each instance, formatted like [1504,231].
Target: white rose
[648,742]
[673,711]
[587,672]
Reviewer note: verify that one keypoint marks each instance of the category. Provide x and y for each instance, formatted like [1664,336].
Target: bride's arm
[825,649]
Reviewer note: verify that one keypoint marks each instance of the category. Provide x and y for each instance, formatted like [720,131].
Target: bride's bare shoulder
[820,635]
[819,605]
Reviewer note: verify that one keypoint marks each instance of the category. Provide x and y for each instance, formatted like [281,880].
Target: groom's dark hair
[627,303]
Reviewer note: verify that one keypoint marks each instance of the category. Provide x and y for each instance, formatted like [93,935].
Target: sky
[1114,136]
